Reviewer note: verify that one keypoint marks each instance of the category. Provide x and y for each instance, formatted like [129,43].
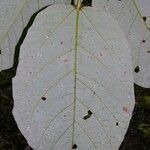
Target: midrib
[75,70]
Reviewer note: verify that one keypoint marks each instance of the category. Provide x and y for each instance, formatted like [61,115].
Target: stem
[78,4]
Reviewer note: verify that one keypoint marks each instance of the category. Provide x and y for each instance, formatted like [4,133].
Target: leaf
[143,7]
[129,17]
[74,82]
[14,16]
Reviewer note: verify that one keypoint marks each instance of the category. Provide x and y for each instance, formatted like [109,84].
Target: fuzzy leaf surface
[74,82]
[133,16]
[14,16]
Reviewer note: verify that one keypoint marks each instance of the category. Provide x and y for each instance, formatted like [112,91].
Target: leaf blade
[130,18]
[51,125]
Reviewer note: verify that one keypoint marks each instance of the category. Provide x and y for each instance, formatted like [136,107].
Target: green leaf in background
[145,128]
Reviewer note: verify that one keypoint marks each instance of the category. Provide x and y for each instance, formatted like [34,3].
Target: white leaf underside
[14,16]
[143,7]
[137,32]
[68,67]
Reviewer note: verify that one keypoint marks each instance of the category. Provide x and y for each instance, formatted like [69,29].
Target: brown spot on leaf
[144,18]
[74,146]
[100,54]
[88,115]
[137,69]
[125,73]
[65,60]
[148,51]
[125,109]
[143,41]
[94,93]
[43,98]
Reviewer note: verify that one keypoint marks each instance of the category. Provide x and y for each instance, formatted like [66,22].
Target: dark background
[138,134]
